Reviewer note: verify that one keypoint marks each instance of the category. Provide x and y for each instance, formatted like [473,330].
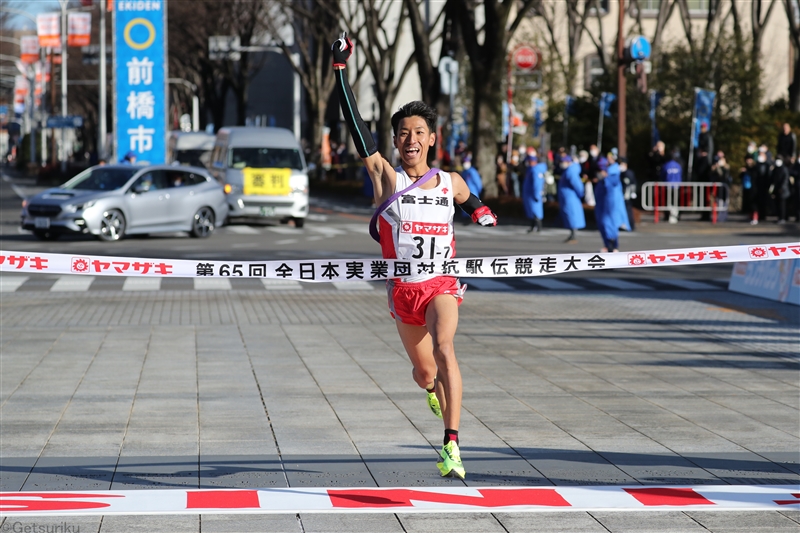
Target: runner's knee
[424,377]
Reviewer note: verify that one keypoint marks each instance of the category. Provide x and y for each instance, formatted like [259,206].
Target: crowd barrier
[673,197]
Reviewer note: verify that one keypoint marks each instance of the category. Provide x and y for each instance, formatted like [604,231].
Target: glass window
[191,158]
[265,158]
[697,5]
[650,5]
[602,4]
[151,181]
[592,70]
[101,179]
[177,178]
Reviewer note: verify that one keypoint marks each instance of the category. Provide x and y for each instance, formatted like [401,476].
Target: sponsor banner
[79,32]
[48,28]
[329,270]
[774,280]
[140,79]
[405,500]
[29,48]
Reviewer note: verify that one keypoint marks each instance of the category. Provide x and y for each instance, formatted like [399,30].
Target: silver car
[111,201]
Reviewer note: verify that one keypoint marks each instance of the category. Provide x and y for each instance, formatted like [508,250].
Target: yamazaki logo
[425,228]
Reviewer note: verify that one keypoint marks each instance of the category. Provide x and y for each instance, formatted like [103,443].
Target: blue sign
[58,122]
[776,280]
[703,109]
[655,98]
[640,49]
[140,79]
[3,110]
[605,103]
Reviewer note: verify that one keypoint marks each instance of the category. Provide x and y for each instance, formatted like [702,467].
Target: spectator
[720,172]
[129,158]
[794,173]
[533,192]
[471,175]
[752,150]
[570,192]
[557,157]
[502,170]
[657,157]
[764,149]
[672,170]
[629,184]
[780,188]
[787,144]
[513,173]
[746,175]
[703,154]
[761,176]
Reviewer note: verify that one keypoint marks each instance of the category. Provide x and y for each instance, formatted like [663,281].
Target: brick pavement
[200,389]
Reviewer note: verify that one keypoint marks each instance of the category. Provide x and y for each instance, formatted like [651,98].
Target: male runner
[418,226]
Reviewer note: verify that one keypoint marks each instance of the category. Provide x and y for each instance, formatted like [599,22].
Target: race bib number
[266,181]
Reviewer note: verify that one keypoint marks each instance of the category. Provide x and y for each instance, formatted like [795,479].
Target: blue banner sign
[140,79]
[703,109]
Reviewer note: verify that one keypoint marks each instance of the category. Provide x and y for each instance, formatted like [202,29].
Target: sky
[33,7]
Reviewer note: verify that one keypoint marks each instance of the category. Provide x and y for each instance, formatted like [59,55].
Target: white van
[263,172]
[191,148]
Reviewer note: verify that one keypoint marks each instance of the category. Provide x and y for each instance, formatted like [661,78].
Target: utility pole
[101,112]
[63,81]
[622,144]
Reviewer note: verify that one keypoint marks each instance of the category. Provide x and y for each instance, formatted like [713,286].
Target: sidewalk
[106,390]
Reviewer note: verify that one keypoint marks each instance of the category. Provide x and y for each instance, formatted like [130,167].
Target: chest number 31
[420,253]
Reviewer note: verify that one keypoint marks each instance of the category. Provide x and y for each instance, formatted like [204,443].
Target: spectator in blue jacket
[570,193]
[471,176]
[672,170]
[533,192]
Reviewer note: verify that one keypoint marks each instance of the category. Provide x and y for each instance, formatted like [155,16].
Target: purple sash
[373,229]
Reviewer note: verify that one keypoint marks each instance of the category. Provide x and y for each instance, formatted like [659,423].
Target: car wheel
[46,235]
[203,223]
[112,226]
[298,222]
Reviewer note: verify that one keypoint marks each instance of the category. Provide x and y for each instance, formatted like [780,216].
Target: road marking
[212,284]
[485,284]
[141,284]
[620,284]
[283,231]
[72,283]
[328,231]
[281,284]
[242,230]
[689,284]
[353,285]
[452,499]
[11,283]
[552,284]
[286,241]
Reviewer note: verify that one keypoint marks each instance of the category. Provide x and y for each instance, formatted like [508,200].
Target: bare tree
[665,9]
[315,26]
[381,30]
[576,25]
[793,14]
[487,47]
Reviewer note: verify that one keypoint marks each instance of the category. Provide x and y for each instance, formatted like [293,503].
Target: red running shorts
[409,301]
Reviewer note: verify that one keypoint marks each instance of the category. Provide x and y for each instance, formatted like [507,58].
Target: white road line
[286,241]
[284,231]
[11,283]
[362,229]
[212,284]
[72,284]
[484,284]
[242,230]
[620,284]
[141,284]
[690,284]
[281,284]
[328,231]
[316,218]
[353,285]
[552,284]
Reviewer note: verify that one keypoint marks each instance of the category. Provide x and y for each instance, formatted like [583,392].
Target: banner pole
[691,138]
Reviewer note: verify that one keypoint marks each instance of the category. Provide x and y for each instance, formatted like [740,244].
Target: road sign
[68,122]
[639,48]
[526,57]
[448,75]
[224,47]
[140,80]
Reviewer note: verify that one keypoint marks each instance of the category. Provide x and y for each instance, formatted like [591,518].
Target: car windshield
[193,158]
[101,179]
[265,158]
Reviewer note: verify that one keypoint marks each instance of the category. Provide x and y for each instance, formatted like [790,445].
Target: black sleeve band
[471,204]
[365,144]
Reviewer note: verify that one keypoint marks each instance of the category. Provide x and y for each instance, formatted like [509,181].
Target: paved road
[251,386]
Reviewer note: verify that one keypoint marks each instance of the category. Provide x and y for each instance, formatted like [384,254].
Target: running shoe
[433,403]
[450,465]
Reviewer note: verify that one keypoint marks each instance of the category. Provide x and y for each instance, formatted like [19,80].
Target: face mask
[467,165]
[751,148]
[623,168]
[583,159]
[762,158]
[595,153]
[778,163]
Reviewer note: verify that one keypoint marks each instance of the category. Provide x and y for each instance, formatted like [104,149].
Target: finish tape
[402,500]
[338,270]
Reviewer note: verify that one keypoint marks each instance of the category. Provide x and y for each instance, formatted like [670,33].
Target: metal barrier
[672,197]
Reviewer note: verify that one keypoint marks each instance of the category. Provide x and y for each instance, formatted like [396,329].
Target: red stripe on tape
[667,496]
[222,499]
[404,498]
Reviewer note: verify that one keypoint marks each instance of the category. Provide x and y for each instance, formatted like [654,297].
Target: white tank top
[418,226]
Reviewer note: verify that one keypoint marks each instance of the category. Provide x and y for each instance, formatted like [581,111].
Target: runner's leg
[417,342]
[441,317]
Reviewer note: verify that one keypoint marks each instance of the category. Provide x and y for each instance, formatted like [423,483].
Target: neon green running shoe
[433,403]
[450,465]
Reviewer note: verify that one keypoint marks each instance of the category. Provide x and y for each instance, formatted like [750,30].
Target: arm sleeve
[362,137]
[471,204]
